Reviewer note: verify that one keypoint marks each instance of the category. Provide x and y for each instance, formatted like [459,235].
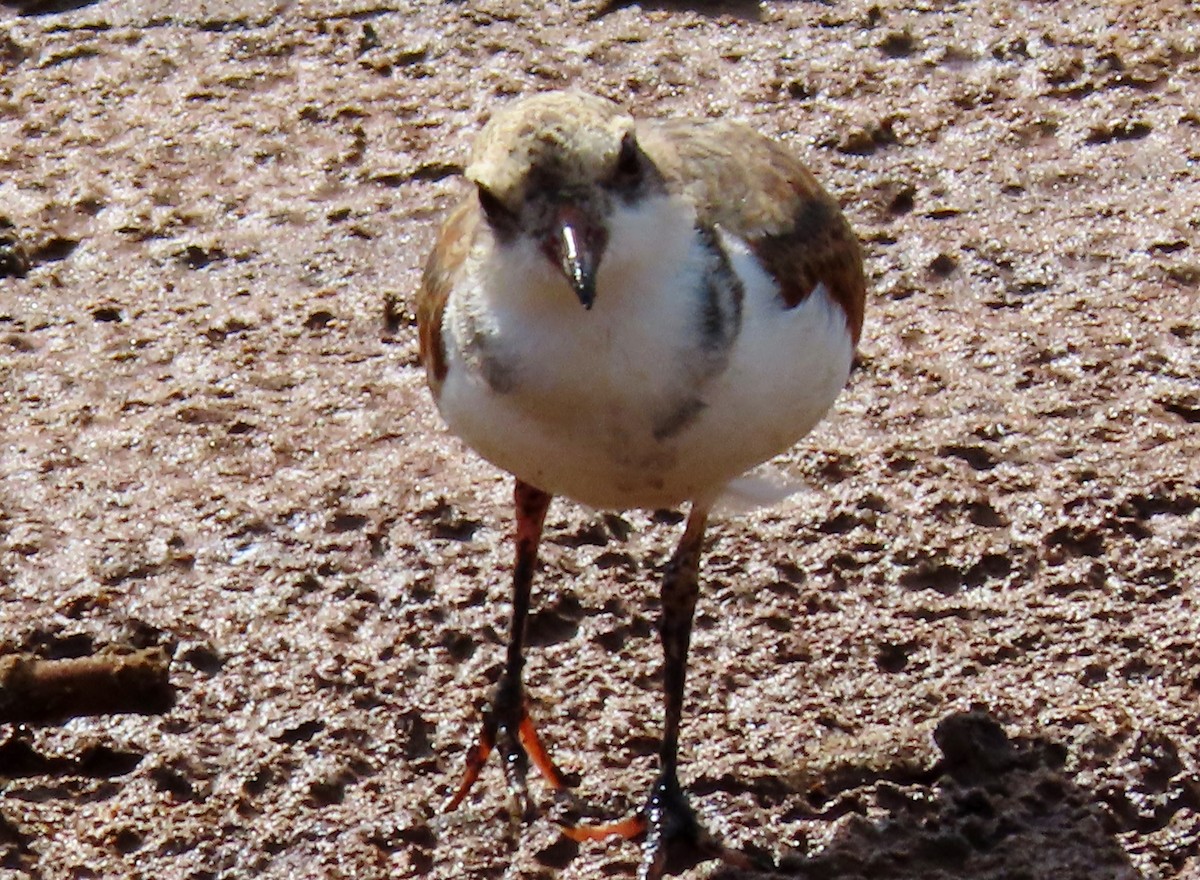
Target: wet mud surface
[968,649]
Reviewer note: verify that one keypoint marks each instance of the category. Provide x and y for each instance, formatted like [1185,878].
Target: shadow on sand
[991,808]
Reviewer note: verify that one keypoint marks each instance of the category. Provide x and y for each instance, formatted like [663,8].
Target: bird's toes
[675,840]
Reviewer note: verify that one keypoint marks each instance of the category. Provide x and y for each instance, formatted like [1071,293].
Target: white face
[644,239]
[566,197]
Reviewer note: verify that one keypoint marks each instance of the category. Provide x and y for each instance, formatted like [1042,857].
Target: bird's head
[551,168]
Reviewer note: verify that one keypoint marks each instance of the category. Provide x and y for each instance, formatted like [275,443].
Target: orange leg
[506,724]
[671,836]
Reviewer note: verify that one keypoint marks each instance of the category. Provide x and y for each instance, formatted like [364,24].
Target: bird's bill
[575,246]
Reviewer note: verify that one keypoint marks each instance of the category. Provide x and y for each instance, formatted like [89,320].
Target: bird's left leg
[672,836]
[506,723]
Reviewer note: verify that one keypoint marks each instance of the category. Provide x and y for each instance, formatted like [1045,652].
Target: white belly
[595,404]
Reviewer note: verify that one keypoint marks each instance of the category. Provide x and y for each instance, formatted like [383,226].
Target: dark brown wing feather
[754,188]
[442,271]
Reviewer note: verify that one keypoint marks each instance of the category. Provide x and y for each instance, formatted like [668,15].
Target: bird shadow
[991,807]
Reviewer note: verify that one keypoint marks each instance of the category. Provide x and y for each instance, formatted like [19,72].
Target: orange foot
[508,725]
[671,836]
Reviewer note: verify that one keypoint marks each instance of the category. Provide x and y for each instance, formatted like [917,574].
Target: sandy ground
[968,649]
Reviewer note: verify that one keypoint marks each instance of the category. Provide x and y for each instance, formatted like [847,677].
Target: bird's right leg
[506,723]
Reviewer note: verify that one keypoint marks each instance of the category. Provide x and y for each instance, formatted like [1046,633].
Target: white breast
[586,393]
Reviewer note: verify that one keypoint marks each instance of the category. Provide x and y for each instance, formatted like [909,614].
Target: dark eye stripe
[499,217]
[630,169]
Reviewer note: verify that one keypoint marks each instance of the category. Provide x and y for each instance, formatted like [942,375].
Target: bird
[631,313]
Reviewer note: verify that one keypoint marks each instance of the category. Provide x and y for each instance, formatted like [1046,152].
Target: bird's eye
[497,213]
[629,170]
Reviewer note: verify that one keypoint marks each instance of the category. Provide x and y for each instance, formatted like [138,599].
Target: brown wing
[442,271]
[752,187]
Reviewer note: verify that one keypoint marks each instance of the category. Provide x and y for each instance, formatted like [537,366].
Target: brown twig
[33,689]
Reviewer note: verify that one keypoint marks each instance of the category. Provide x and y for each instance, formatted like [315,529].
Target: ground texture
[968,649]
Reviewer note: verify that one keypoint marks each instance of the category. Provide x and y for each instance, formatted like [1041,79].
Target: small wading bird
[632,314]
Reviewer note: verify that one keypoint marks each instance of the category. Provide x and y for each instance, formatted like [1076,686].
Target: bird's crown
[556,139]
